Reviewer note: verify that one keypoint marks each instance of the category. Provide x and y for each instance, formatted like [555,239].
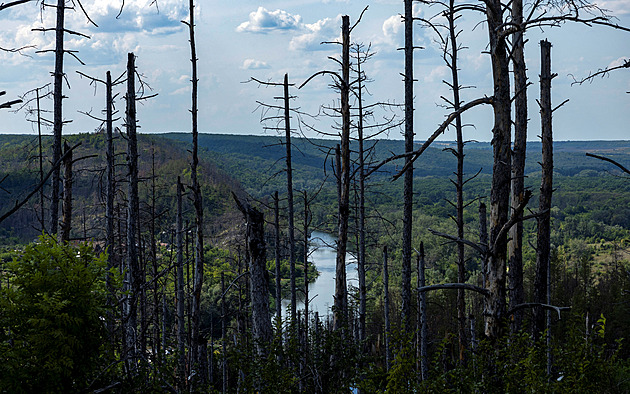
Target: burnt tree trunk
[515,264]
[198,204]
[546,190]
[459,183]
[340,310]
[133,213]
[408,180]
[388,352]
[57,114]
[277,259]
[66,224]
[179,291]
[258,277]
[361,218]
[287,142]
[501,172]
[422,306]
[109,202]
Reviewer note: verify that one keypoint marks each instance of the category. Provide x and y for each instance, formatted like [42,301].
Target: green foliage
[52,318]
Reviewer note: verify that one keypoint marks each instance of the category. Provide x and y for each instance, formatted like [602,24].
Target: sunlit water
[323,255]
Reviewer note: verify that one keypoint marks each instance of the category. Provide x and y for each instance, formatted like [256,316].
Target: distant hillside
[257,160]
[160,163]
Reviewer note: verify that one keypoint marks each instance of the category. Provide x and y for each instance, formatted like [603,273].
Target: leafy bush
[51,318]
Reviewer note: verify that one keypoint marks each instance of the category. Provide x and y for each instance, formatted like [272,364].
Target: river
[323,254]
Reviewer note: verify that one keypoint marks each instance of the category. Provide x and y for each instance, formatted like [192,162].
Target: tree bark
[277,258]
[109,202]
[287,142]
[388,353]
[198,204]
[515,264]
[408,180]
[258,277]
[501,172]
[181,329]
[57,115]
[340,312]
[133,211]
[546,190]
[66,224]
[424,362]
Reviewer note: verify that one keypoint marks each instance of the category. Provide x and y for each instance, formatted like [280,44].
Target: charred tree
[408,178]
[181,330]
[198,205]
[132,272]
[546,190]
[515,252]
[66,224]
[258,277]
[388,352]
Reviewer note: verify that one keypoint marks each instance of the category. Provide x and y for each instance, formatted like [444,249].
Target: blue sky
[241,39]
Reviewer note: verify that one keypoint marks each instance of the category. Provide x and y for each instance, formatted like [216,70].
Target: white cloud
[617,7]
[438,73]
[264,21]
[252,64]
[618,62]
[327,29]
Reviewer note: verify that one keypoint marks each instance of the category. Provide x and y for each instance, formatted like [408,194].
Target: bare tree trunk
[258,277]
[388,353]
[546,189]
[57,115]
[181,333]
[133,210]
[459,184]
[515,264]
[277,258]
[361,249]
[340,311]
[422,305]
[287,142]
[224,370]
[501,172]
[109,202]
[483,240]
[66,225]
[198,204]
[306,229]
[41,164]
[408,181]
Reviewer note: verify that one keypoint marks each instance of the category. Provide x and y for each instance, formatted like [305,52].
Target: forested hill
[258,160]
[160,163]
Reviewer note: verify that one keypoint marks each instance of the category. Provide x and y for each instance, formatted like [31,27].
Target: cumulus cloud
[138,16]
[393,27]
[264,21]
[323,30]
[252,64]
[437,74]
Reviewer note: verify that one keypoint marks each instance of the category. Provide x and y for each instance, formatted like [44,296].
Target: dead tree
[181,329]
[58,97]
[408,179]
[258,276]
[388,353]
[515,245]
[66,224]
[342,84]
[132,274]
[283,124]
[543,242]
[197,203]
[277,261]
[422,312]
